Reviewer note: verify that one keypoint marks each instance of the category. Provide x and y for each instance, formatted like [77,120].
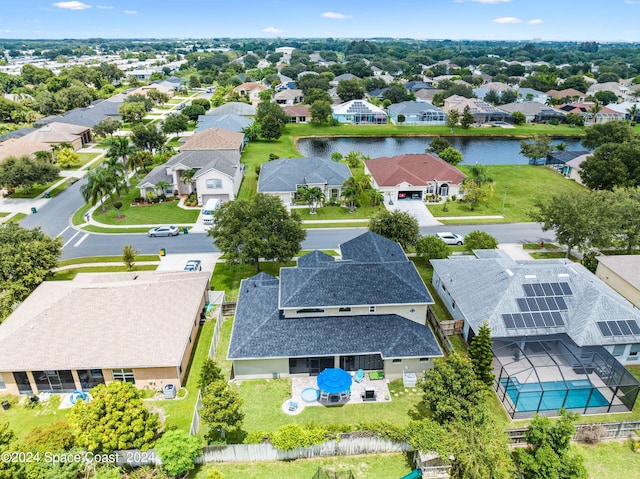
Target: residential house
[482,111]
[285,83]
[366,311]
[534,111]
[613,86]
[90,116]
[298,113]
[214,155]
[427,94]
[531,95]
[234,108]
[497,87]
[585,109]
[573,167]
[229,122]
[416,113]
[18,148]
[626,108]
[558,160]
[55,133]
[251,90]
[344,76]
[289,97]
[167,88]
[138,327]
[413,177]
[567,95]
[283,177]
[417,85]
[359,112]
[560,334]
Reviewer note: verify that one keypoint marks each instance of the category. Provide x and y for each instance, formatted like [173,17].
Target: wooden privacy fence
[441,336]
[453,327]
[604,431]
[228,308]
[267,452]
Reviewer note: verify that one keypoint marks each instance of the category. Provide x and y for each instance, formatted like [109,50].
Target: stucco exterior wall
[619,284]
[261,368]
[413,312]
[411,365]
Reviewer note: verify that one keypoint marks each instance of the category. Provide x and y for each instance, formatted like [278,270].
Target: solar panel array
[358,107]
[618,328]
[541,308]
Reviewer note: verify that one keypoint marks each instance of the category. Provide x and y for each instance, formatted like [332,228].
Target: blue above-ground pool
[310,395]
[577,394]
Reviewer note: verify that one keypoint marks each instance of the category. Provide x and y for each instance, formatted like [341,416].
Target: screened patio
[542,374]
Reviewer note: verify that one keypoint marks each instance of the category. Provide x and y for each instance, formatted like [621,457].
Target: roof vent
[530,276]
[564,275]
[509,272]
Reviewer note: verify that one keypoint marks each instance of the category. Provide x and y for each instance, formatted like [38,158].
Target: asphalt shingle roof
[286,174]
[260,332]
[227,122]
[414,169]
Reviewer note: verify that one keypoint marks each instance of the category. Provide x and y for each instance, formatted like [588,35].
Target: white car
[451,238]
[163,231]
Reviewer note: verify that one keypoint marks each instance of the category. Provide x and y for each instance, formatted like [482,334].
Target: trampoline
[310,394]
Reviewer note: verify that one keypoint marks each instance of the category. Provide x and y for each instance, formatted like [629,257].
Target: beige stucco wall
[620,285]
[418,315]
[411,365]
[261,368]
[10,384]
[156,378]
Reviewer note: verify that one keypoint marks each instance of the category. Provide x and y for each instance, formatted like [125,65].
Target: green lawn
[610,460]
[338,213]
[68,274]
[346,224]
[3,214]
[84,159]
[179,412]
[256,153]
[552,255]
[16,218]
[98,229]
[106,259]
[22,419]
[373,466]
[34,191]
[426,273]
[524,183]
[227,277]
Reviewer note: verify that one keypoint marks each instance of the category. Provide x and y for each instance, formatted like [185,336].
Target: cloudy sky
[580,20]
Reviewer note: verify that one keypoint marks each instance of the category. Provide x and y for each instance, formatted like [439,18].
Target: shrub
[56,436]
[292,436]
[177,450]
[591,433]
[214,474]
[256,437]
[273,156]
[432,247]
[479,240]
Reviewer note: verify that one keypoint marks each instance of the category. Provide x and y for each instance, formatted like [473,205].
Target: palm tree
[120,147]
[376,196]
[633,112]
[350,195]
[119,172]
[353,159]
[187,176]
[162,186]
[99,183]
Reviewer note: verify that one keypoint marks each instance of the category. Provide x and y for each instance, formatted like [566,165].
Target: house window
[618,350]
[372,309]
[345,310]
[424,360]
[2,384]
[124,375]
[397,361]
[633,354]
[214,184]
[412,310]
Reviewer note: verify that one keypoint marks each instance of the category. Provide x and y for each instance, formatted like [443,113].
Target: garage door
[409,195]
[222,198]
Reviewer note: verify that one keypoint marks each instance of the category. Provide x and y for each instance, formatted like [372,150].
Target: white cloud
[130,12]
[632,2]
[535,21]
[72,5]
[486,1]
[104,7]
[335,15]
[5,31]
[271,30]
[507,20]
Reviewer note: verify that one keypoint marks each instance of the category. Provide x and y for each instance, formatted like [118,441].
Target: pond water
[487,151]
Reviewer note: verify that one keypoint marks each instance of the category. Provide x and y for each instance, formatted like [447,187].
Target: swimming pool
[553,395]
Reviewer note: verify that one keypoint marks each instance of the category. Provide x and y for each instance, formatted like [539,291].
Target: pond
[487,151]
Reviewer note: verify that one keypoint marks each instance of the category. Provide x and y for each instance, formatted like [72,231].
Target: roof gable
[415,169]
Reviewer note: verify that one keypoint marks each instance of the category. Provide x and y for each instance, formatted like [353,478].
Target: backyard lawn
[373,466]
[227,277]
[525,184]
[610,460]
[22,419]
[338,213]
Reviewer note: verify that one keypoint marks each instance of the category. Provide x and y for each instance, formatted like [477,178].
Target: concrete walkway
[415,208]
[515,251]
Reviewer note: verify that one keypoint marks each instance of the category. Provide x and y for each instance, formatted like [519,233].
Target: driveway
[417,209]
[176,262]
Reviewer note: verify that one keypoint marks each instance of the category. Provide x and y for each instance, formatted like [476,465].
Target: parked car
[193,265]
[163,231]
[180,106]
[451,238]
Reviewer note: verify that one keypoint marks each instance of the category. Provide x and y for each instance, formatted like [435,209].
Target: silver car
[193,265]
[163,231]
[451,238]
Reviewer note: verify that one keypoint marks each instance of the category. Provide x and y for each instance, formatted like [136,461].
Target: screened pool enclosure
[542,374]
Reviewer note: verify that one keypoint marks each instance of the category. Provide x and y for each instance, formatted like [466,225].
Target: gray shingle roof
[90,116]
[412,107]
[226,122]
[225,161]
[235,108]
[286,174]
[484,289]
[260,332]
[374,271]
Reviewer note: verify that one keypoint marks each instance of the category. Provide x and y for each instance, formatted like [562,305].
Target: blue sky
[584,20]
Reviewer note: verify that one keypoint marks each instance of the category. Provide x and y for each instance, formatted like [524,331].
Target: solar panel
[557,290]
[549,303]
[508,322]
[537,320]
[635,329]
[566,289]
[624,327]
[548,320]
[557,318]
[517,318]
[528,289]
[528,320]
[547,289]
[604,329]
[522,304]
[562,306]
[538,289]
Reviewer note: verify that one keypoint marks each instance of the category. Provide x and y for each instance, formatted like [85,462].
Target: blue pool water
[581,394]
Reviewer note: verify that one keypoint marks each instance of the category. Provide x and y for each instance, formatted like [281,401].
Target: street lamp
[504,199]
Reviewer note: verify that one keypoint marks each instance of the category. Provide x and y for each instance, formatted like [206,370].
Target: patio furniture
[334,381]
[369,394]
[359,376]
[376,375]
[293,405]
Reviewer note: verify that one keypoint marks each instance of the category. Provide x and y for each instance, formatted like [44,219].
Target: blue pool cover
[577,394]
